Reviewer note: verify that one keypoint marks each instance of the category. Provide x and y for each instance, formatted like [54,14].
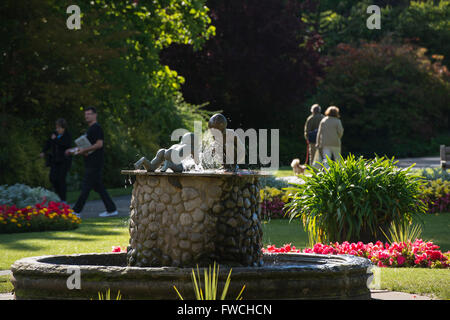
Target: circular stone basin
[283,276]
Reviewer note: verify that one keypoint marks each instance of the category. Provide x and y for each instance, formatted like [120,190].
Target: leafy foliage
[22,195]
[354,198]
[258,68]
[112,62]
[436,195]
[393,99]
[425,23]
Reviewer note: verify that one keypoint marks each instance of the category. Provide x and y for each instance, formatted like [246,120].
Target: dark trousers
[93,180]
[58,173]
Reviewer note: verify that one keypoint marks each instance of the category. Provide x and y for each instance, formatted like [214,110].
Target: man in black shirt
[93,163]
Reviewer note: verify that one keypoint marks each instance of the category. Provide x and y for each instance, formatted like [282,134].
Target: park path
[421,163]
[94,207]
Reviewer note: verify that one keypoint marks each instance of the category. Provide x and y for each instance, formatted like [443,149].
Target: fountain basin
[282,276]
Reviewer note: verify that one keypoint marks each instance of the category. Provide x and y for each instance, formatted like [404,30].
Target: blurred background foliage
[150,67]
[111,63]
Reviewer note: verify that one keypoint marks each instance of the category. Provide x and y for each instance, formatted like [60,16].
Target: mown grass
[93,235]
[285,171]
[5,284]
[429,282]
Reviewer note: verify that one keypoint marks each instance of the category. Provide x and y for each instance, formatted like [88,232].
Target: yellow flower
[19,225]
[13,220]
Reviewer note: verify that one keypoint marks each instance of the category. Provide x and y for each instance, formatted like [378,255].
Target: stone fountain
[182,217]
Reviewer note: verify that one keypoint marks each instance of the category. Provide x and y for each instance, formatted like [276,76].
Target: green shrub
[436,195]
[22,195]
[19,158]
[393,99]
[354,198]
[434,174]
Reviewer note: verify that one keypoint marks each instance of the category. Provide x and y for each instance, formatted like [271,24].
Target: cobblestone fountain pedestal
[185,219]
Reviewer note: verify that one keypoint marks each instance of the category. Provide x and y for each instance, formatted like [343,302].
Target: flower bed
[436,195]
[273,201]
[40,217]
[411,254]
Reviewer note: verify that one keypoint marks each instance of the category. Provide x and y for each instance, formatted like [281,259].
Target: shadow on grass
[89,230]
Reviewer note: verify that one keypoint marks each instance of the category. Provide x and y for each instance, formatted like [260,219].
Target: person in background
[330,134]
[93,166]
[310,131]
[57,160]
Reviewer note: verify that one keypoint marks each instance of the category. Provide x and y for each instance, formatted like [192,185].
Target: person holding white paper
[94,159]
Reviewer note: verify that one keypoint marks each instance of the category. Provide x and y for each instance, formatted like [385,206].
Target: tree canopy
[112,63]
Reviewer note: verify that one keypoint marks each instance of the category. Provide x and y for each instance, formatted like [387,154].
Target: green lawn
[93,235]
[99,235]
[421,281]
[284,172]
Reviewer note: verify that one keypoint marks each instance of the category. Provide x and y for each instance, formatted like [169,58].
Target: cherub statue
[230,142]
[170,158]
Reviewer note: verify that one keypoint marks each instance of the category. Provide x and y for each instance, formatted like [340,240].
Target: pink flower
[400,260]
[116,249]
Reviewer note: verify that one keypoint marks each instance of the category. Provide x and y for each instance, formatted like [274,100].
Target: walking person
[330,134]
[310,131]
[93,166]
[57,160]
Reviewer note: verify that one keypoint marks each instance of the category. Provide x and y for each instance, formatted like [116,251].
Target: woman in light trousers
[329,137]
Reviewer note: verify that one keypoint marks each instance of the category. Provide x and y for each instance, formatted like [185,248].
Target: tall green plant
[107,295]
[211,279]
[403,233]
[354,197]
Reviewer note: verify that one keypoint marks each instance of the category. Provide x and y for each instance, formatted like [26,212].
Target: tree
[258,68]
[393,98]
[112,62]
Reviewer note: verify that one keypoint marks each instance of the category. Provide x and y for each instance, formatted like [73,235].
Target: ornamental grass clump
[211,284]
[355,198]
